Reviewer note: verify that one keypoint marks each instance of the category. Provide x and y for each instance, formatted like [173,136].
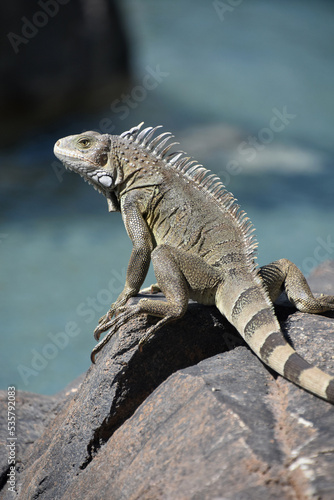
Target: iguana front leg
[284,276]
[139,261]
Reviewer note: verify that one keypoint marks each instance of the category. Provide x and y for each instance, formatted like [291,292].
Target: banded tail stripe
[262,318]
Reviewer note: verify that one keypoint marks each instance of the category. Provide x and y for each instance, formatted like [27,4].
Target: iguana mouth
[72,154]
[98,178]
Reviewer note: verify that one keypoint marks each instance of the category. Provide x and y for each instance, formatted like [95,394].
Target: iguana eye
[84,142]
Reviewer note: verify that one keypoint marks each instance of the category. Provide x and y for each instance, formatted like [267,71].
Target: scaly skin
[181,217]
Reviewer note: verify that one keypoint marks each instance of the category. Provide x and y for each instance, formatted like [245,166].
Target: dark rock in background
[58,56]
[195,415]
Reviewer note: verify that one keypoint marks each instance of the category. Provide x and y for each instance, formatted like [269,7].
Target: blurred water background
[216,74]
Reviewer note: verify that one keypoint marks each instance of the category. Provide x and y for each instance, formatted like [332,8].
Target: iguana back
[179,215]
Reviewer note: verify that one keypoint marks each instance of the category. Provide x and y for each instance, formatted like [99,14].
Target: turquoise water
[218,84]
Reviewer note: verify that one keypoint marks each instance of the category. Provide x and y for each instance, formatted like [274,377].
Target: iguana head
[88,154]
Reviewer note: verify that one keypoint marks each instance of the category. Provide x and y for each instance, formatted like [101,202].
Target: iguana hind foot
[115,308]
[158,308]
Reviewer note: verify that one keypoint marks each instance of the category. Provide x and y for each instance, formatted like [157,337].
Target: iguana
[179,215]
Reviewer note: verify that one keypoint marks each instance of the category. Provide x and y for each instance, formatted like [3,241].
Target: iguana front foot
[107,321]
[113,325]
[104,321]
[166,311]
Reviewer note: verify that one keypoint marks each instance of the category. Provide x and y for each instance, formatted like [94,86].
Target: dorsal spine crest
[201,177]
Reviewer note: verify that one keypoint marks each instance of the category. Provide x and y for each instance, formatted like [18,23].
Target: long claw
[151,331]
[101,344]
[114,325]
[148,335]
[97,334]
[144,340]
[98,330]
[103,324]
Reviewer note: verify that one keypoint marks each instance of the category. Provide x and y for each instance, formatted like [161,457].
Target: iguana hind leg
[179,275]
[284,276]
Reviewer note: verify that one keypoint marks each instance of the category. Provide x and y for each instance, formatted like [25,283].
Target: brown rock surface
[191,417]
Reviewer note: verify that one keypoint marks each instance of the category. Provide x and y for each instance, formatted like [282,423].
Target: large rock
[33,413]
[195,415]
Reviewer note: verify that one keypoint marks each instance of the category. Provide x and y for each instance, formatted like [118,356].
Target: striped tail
[246,305]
